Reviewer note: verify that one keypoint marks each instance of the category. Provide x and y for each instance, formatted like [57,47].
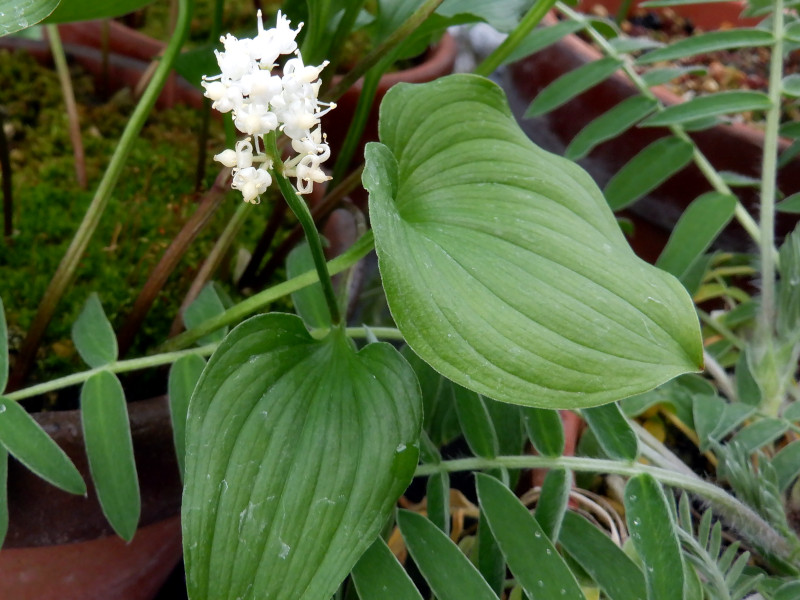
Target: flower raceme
[262,103]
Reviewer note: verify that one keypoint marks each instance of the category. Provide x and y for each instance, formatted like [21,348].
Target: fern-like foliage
[721,570]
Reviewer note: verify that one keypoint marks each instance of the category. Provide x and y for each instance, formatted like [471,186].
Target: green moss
[151,203]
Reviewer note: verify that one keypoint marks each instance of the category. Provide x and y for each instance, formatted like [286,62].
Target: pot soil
[735,147]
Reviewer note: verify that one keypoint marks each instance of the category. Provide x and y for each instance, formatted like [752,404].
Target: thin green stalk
[504,50]
[122,366]
[382,333]
[303,214]
[69,263]
[711,174]
[394,40]
[247,307]
[64,79]
[768,175]
[760,533]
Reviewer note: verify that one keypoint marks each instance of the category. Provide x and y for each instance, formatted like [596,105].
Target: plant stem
[528,23]
[745,219]
[394,40]
[121,366]
[300,210]
[759,532]
[768,175]
[69,263]
[60,60]
[236,313]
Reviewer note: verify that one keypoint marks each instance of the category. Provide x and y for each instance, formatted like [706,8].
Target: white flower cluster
[262,103]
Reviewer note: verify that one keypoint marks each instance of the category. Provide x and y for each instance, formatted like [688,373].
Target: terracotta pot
[60,545]
[730,147]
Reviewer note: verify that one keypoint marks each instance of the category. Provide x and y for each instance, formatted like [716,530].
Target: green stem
[757,530]
[711,174]
[384,333]
[303,214]
[377,53]
[768,175]
[69,263]
[62,69]
[122,366]
[245,308]
[504,50]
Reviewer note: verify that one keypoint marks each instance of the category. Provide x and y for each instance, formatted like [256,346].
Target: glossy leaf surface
[697,228]
[531,556]
[602,559]
[377,574]
[544,429]
[26,441]
[449,573]
[552,502]
[647,170]
[502,264]
[654,536]
[613,432]
[183,377]
[708,42]
[309,302]
[702,107]
[16,15]
[296,450]
[571,84]
[109,448]
[93,335]
[609,125]
[208,304]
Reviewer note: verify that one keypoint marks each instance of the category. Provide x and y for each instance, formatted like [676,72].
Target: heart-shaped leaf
[504,267]
[296,450]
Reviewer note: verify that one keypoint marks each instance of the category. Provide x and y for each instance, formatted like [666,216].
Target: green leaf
[26,441]
[506,272]
[3,349]
[309,302]
[542,37]
[16,16]
[613,432]
[571,84]
[448,572]
[183,377]
[738,180]
[441,420]
[792,412]
[530,555]
[609,125]
[790,204]
[647,170]
[296,451]
[491,563]
[3,494]
[85,10]
[544,429]
[760,433]
[654,537]
[476,423]
[553,501]
[701,107]
[787,464]
[602,559]
[378,572]
[790,129]
[663,75]
[697,228]
[625,45]
[790,85]
[109,448]
[788,591]
[503,16]
[708,42]
[438,497]
[93,335]
[207,305]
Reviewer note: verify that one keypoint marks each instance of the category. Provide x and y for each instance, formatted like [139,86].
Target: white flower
[262,103]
